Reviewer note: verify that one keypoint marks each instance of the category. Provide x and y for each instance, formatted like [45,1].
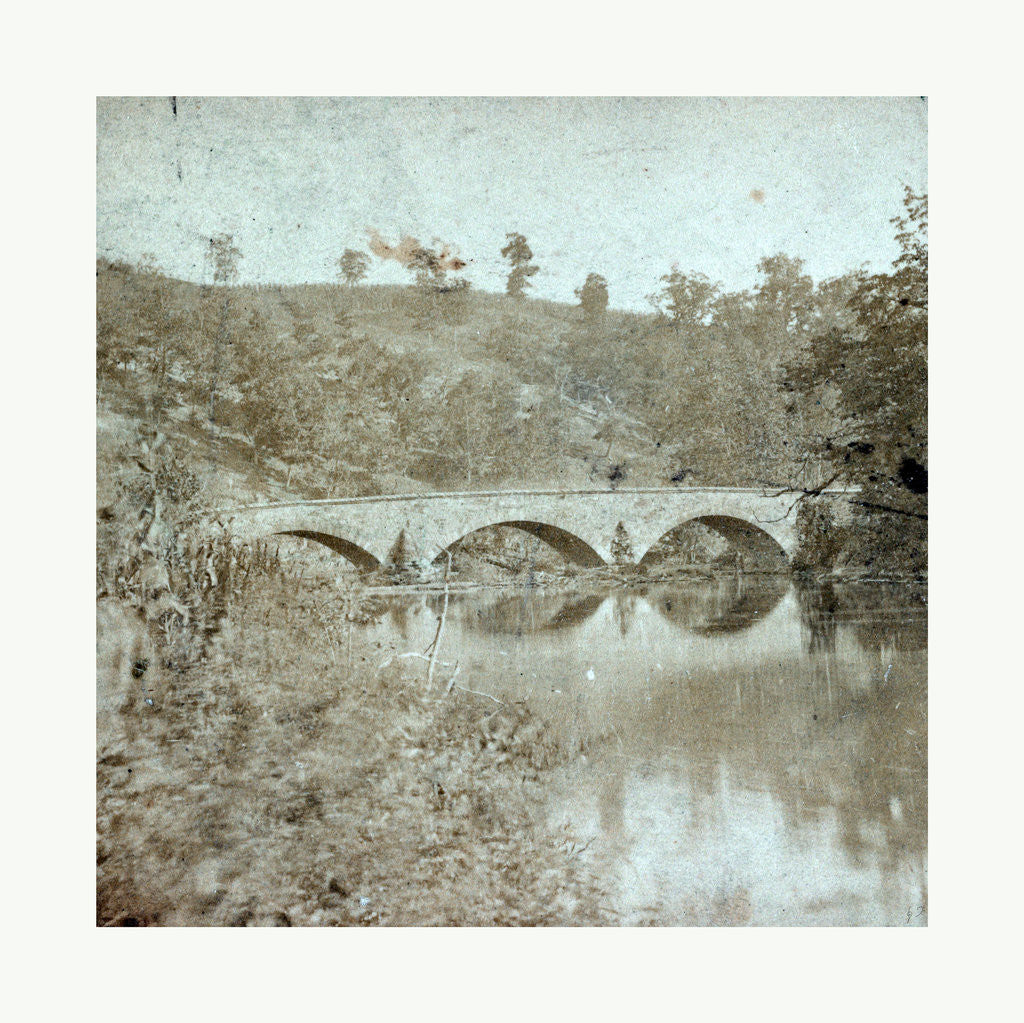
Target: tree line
[793,384]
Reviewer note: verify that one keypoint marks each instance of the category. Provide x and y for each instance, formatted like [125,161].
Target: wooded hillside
[333,390]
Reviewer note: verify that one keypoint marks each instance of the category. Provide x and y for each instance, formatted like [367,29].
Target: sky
[624,187]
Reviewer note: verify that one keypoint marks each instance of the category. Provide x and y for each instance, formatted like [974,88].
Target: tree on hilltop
[222,257]
[519,254]
[353,266]
[784,299]
[688,298]
[593,296]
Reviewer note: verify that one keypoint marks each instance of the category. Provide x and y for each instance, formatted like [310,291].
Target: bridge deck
[447,495]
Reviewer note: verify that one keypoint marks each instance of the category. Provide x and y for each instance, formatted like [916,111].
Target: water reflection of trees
[840,752]
[818,608]
[728,603]
[398,610]
[837,739]
[624,610]
[882,617]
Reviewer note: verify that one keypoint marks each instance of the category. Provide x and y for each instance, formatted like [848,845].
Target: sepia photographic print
[511,511]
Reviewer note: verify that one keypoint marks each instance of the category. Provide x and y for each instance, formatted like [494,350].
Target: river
[741,750]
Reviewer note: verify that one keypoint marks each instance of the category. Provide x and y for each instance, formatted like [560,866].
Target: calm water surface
[741,750]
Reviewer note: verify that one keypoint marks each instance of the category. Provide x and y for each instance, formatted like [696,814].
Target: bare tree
[222,257]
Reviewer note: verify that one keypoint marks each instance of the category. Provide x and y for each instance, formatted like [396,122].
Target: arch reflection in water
[704,607]
[525,611]
[720,605]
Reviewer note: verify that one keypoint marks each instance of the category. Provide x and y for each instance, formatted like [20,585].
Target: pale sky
[622,187]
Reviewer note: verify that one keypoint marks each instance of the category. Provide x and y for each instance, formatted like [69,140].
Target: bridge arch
[361,558]
[568,544]
[739,532]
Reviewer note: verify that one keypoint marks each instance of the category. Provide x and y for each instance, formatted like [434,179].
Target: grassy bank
[260,760]
[299,774]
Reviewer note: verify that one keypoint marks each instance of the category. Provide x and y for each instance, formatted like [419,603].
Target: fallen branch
[435,645]
[890,509]
[400,657]
[463,689]
[455,673]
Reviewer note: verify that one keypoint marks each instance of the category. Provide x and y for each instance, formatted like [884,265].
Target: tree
[438,297]
[689,299]
[428,268]
[622,546]
[161,326]
[519,254]
[276,400]
[352,266]
[593,296]
[401,555]
[785,297]
[478,425]
[877,372]
[222,257]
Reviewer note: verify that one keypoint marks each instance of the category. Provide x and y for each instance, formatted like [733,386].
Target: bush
[154,553]
[821,540]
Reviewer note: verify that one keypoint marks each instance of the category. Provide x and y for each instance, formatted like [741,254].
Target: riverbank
[303,775]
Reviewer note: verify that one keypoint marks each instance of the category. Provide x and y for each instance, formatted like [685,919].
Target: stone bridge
[580,524]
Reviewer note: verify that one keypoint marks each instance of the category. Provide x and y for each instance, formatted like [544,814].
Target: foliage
[622,547]
[153,555]
[223,257]
[428,268]
[379,802]
[689,299]
[593,295]
[821,540]
[353,400]
[519,254]
[476,415]
[876,369]
[352,266]
[450,302]
[278,407]
[784,299]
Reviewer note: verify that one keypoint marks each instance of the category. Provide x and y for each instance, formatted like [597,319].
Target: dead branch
[807,492]
[440,622]
[890,509]
[451,681]
[474,692]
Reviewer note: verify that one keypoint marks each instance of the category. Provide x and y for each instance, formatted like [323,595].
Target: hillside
[332,390]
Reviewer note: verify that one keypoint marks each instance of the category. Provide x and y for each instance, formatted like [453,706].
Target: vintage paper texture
[511,511]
